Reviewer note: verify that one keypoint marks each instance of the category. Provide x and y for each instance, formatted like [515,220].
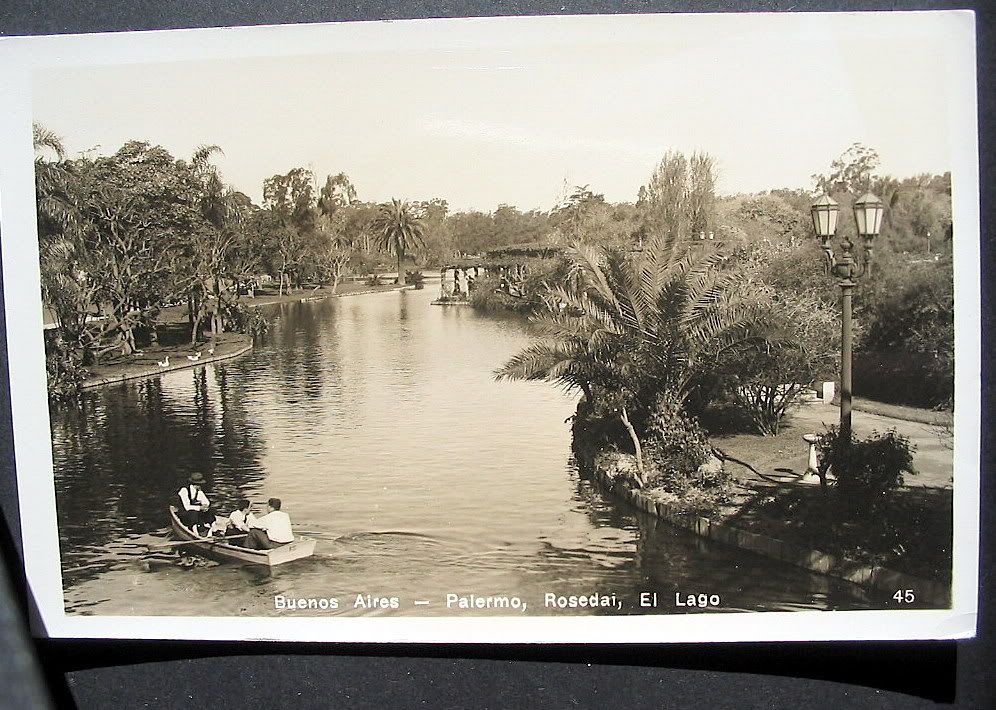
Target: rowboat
[220,550]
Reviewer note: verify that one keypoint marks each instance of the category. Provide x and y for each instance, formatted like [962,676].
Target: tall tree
[680,197]
[399,232]
[290,198]
[852,171]
[138,208]
[336,193]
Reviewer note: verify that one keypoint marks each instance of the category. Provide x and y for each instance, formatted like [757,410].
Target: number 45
[904,596]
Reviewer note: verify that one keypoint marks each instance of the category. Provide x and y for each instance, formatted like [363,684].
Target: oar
[208,540]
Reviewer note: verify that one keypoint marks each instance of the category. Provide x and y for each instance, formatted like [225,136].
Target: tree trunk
[401,274]
[636,446]
[218,319]
[194,327]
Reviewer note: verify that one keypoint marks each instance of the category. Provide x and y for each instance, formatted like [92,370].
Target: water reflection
[129,447]
[377,420]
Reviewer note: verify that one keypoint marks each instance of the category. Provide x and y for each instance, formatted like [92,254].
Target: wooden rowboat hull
[301,547]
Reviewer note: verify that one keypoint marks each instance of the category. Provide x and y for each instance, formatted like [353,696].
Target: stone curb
[152,371]
[877,578]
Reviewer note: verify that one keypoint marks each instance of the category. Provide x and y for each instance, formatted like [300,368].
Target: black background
[97,674]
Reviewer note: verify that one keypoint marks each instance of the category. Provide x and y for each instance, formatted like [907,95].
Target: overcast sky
[772,101]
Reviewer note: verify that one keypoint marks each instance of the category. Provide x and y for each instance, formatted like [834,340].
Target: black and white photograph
[512,329]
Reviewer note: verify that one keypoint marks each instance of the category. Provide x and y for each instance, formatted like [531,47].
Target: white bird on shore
[211,350]
[195,357]
[163,363]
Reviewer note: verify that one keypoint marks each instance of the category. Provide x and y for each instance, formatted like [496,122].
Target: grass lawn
[909,530]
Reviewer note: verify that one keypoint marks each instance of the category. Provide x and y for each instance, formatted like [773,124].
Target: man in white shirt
[194,506]
[271,530]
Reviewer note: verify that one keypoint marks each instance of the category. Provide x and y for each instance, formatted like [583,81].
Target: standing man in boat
[271,530]
[194,507]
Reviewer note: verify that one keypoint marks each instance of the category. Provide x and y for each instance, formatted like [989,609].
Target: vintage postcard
[645,328]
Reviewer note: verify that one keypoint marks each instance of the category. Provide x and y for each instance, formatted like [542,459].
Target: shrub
[489,296]
[620,467]
[375,280]
[65,372]
[595,427]
[675,443]
[416,279]
[910,309]
[243,319]
[866,469]
[676,447]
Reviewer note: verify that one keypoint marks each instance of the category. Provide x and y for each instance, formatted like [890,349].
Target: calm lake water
[377,421]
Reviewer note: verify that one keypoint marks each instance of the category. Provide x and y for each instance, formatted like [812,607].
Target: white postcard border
[33,455]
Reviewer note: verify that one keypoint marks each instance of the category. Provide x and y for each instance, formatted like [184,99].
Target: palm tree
[54,207]
[399,231]
[628,332]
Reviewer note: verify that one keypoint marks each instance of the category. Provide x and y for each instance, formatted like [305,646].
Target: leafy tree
[333,249]
[782,220]
[680,196]
[399,232]
[52,183]
[575,211]
[290,199]
[630,333]
[851,172]
[800,344]
[436,229]
[136,208]
[337,192]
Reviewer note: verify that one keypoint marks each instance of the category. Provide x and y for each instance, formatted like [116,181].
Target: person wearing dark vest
[194,506]
[271,530]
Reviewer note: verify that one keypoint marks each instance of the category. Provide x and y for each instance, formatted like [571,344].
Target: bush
[675,450]
[675,444]
[416,279]
[597,425]
[243,319]
[488,296]
[620,467]
[910,310]
[65,373]
[375,280]
[866,469]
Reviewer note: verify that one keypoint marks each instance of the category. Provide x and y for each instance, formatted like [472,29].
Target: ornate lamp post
[868,212]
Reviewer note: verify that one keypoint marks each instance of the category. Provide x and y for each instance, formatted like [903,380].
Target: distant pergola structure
[510,264]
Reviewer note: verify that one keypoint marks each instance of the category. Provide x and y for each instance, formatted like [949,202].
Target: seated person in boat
[241,518]
[194,508]
[271,530]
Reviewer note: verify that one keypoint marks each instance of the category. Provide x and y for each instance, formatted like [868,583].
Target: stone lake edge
[870,577]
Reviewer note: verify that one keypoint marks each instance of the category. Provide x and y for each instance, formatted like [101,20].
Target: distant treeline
[125,235]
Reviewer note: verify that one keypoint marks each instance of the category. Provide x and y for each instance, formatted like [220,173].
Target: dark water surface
[377,420]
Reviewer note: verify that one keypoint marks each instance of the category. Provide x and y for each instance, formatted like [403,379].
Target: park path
[934,457]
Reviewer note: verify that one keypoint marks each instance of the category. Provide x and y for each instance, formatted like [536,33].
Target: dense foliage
[865,470]
[125,237]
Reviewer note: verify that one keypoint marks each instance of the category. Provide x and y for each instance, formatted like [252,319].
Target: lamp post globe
[825,212]
[868,213]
